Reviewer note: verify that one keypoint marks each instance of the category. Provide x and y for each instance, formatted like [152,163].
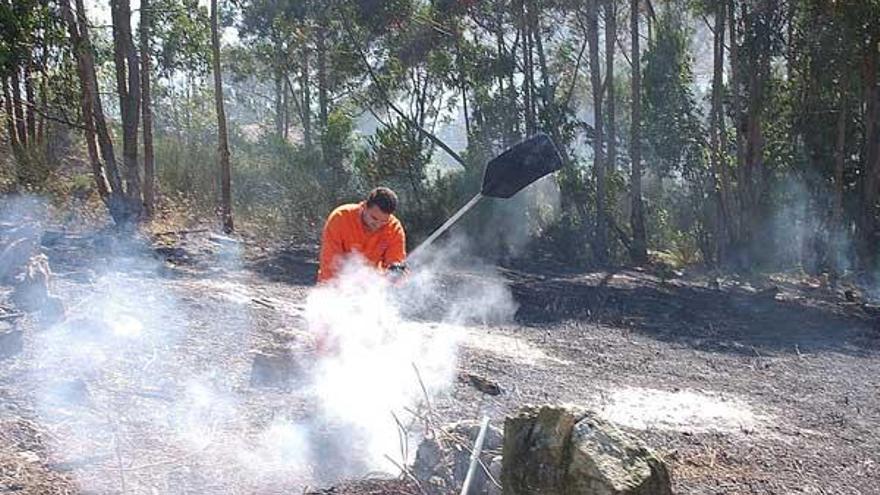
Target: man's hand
[397,272]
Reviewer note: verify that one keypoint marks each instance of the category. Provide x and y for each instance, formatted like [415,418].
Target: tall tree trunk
[42,123]
[513,97]
[639,249]
[147,107]
[868,233]
[736,111]
[717,139]
[285,111]
[600,243]
[46,45]
[610,42]
[533,86]
[323,103]
[499,56]
[222,138]
[307,97]
[87,104]
[10,114]
[103,133]
[321,45]
[754,172]
[128,85]
[17,107]
[840,153]
[31,101]
[546,89]
[528,80]
[280,91]
[462,86]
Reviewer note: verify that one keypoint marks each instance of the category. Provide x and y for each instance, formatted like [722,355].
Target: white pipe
[475,456]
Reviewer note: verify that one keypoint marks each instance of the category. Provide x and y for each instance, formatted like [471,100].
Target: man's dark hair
[384,198]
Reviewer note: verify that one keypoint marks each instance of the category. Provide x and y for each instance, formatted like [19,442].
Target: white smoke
[145,383]
[512,223]
[802,232]
[376,362]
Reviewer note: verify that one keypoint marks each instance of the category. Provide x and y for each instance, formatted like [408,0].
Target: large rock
[559,450]
[536,449]
[442,460]
[605,461]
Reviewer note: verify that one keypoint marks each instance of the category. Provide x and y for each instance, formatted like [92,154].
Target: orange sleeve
[396,252]
[331,247]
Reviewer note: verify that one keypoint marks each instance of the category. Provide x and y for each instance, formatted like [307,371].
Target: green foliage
[672,123]
[182,37]
[302,65]
[397,157]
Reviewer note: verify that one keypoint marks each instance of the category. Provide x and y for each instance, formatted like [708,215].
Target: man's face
[374,218]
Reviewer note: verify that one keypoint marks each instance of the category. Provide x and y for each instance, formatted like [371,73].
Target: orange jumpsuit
[344,233]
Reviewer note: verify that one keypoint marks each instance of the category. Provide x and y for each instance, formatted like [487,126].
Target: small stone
[480,383]
[222,239]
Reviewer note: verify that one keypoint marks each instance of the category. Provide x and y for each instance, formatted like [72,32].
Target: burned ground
[764,386]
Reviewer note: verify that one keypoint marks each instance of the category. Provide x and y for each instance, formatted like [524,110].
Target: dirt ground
[769,385]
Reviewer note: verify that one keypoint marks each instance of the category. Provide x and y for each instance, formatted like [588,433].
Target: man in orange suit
[368,228]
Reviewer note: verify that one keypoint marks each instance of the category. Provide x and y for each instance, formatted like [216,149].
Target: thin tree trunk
[86,100]
[42,122]
[307,97]
[546,90]
[104,140]
[10,114]
[527,67]
[499,54]
[17,106]
[31,99]
[639,250]
[279,92]
[147,107]
[718,170]
[222,138]
[285,112]
[840,153]
[462,86]
[869,226]
[513,97]
[610,42]
[736,103]
[129,89]
[754,168]
[322,76]
[323,103]
[600,246]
